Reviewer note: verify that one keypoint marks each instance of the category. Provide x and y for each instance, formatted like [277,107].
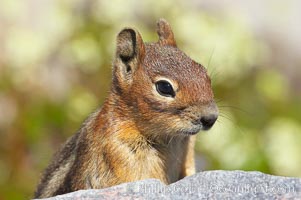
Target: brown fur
[138,133]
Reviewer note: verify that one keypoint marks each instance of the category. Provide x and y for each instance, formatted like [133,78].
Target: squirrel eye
[164,88]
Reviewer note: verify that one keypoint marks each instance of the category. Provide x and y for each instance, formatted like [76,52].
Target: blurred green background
[55,69]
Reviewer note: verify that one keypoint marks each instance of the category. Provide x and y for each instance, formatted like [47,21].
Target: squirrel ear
[130,49]
[165,33]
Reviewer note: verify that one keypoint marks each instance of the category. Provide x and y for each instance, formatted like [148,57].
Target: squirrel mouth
[192,131]
[195,130]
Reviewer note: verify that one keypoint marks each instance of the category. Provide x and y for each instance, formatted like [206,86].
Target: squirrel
[158,101]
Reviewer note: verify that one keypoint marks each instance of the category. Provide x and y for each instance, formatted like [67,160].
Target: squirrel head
[159,87]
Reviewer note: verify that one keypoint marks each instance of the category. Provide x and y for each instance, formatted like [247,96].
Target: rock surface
[203,185]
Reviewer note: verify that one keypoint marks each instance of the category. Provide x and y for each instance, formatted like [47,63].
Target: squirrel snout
[207,121]
[208,117]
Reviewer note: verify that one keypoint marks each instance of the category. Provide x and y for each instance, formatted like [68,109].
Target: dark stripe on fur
[59,158]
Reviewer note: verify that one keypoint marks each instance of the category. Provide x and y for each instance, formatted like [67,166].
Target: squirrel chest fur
[159,100]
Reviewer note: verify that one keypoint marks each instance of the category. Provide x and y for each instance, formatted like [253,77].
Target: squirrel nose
[208,121]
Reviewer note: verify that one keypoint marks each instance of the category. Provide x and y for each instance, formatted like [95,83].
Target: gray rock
[203,185]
